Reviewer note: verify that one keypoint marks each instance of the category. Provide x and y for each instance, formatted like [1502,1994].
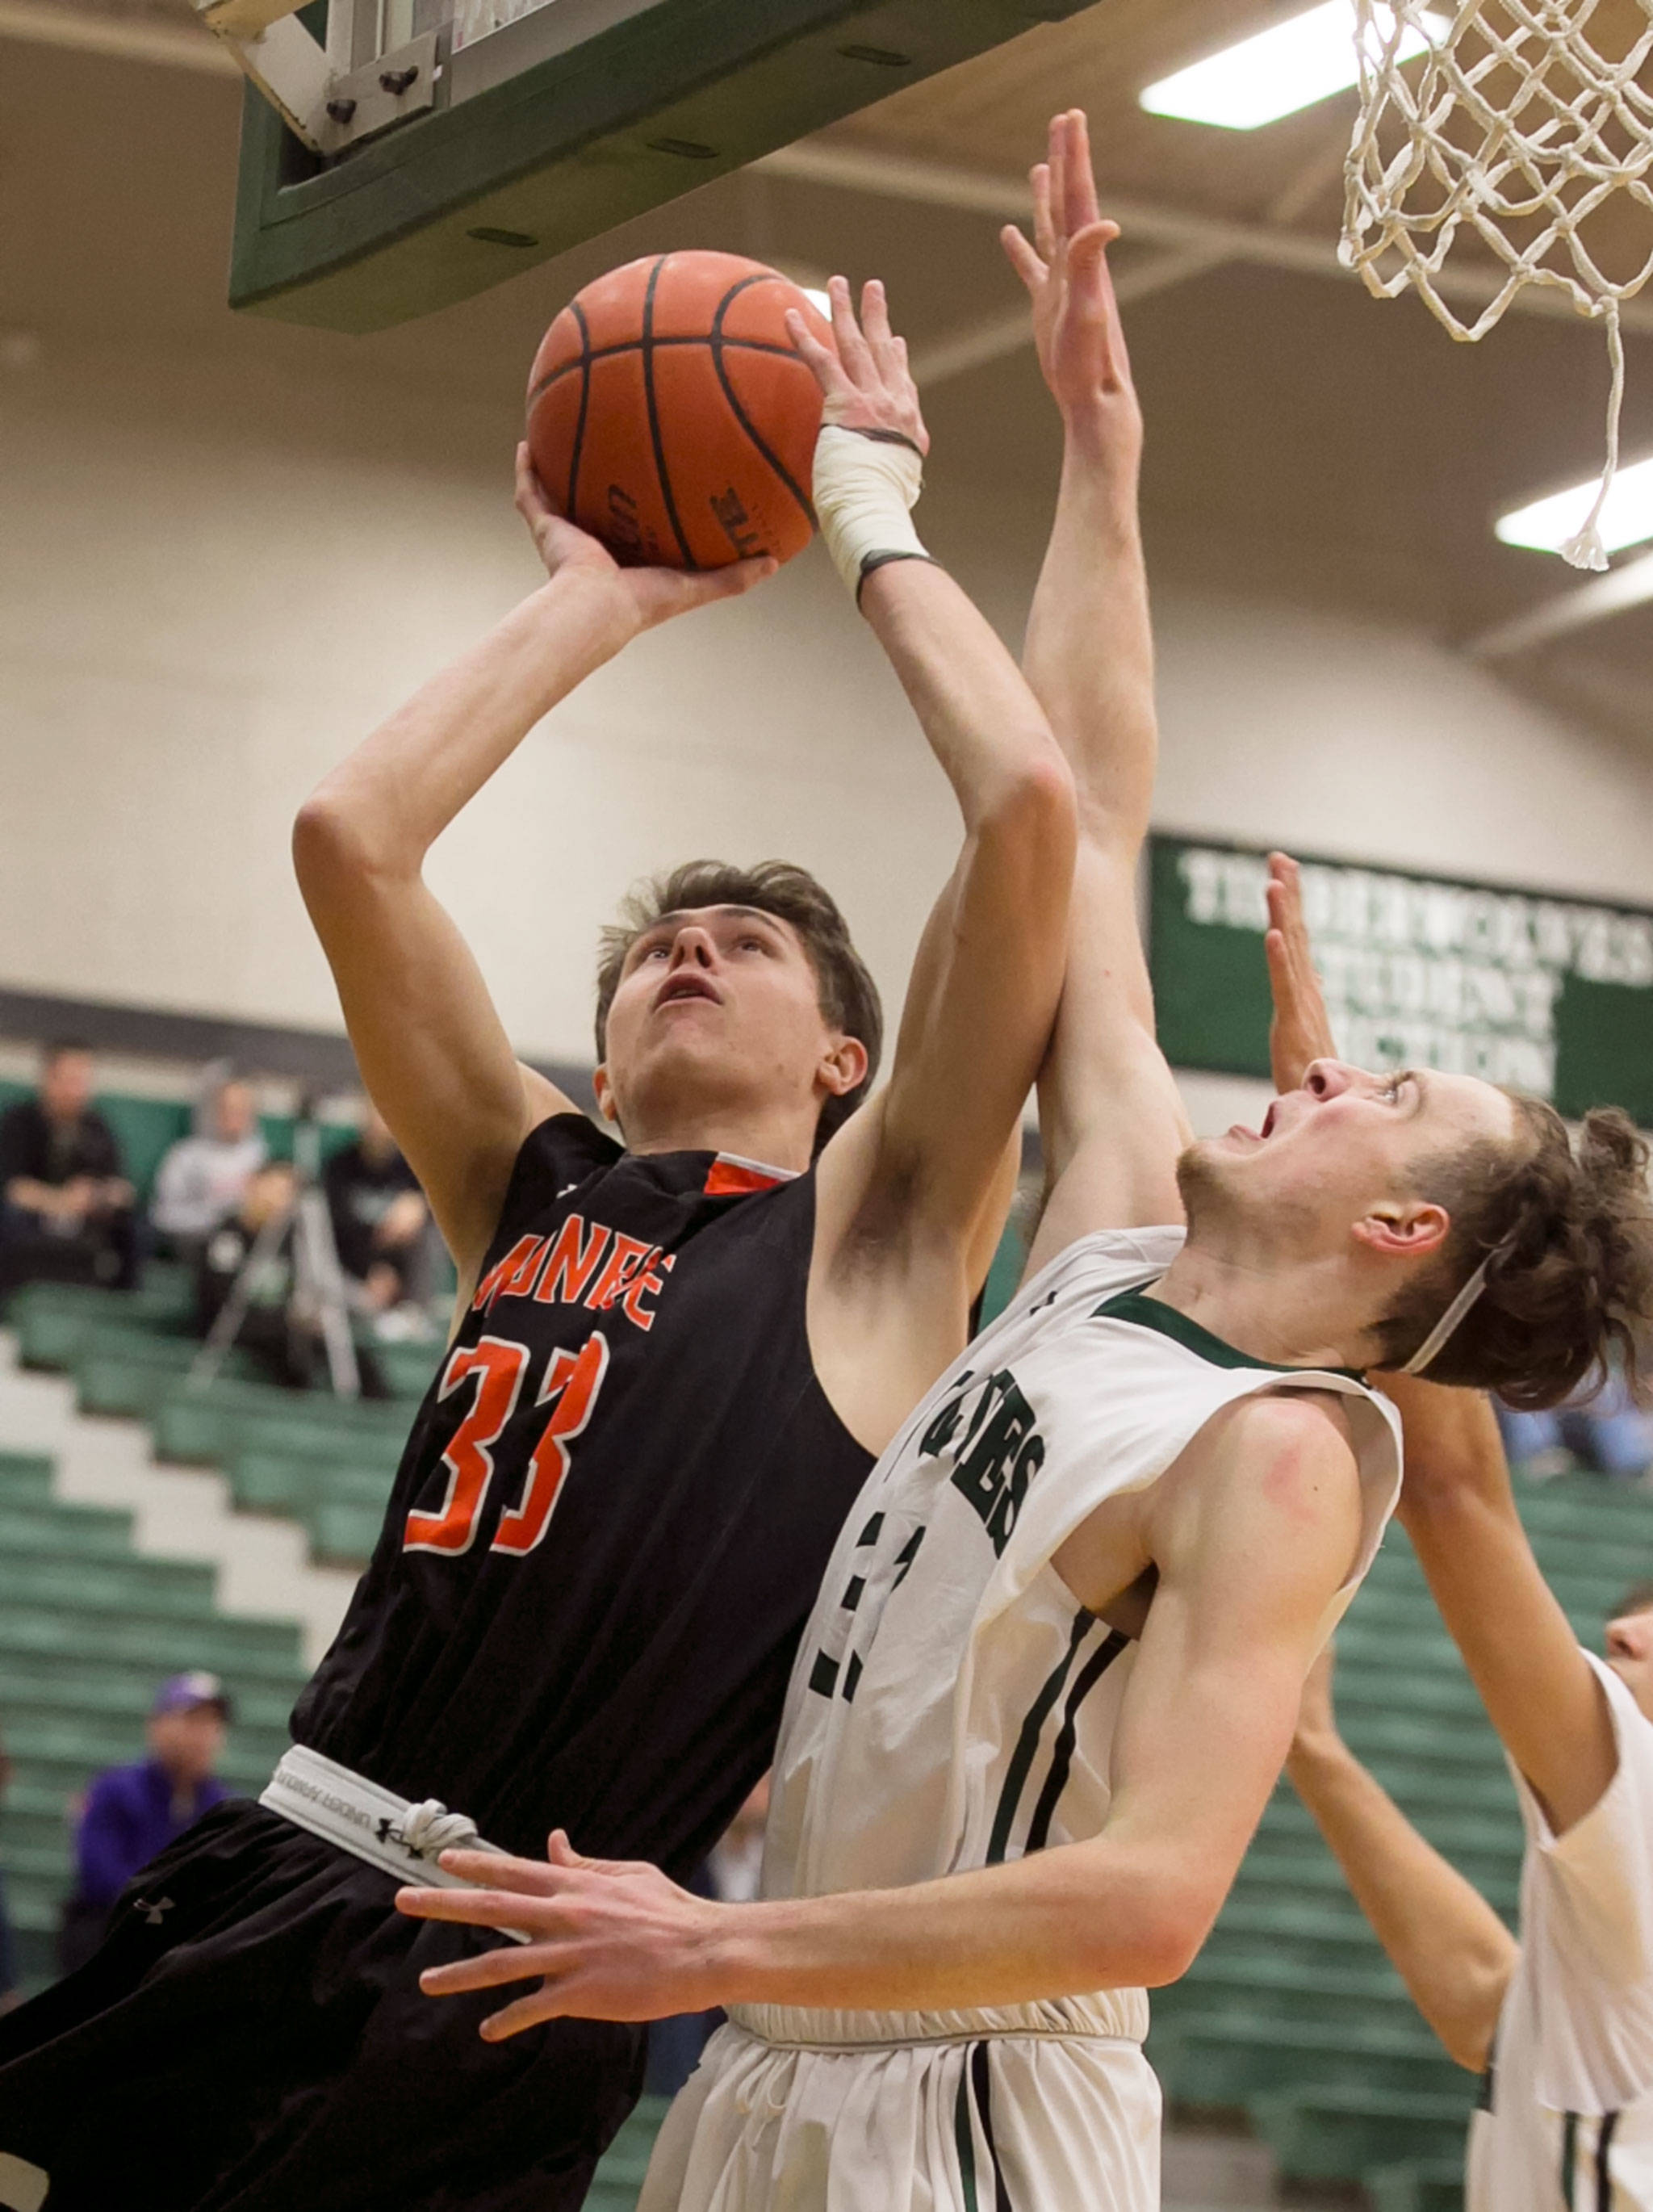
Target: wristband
[865,481]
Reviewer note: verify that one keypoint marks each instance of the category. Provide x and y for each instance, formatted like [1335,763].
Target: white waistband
[405,1840]
[1109,2017]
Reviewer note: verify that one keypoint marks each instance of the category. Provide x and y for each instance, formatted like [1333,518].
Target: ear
[1409,1230]
[605,1091]
[843,1067]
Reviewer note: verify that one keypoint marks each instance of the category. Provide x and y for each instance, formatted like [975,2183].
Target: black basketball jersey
[611,1516]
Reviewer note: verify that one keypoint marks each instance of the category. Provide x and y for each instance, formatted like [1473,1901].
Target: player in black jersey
[673,1364]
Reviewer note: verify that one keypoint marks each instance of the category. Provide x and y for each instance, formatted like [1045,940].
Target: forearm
[1089,650]
[1539,1691]
[1057,1923]
[397,792]
[33,1196]
[980,719]
[1445,1941]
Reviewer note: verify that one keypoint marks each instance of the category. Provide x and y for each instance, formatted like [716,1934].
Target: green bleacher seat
[1416,2185]
[619,2176]
[1229,2058]
[1334,2132]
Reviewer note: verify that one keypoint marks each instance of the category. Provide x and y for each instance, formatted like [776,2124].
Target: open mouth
[1267,1129]
[686,985]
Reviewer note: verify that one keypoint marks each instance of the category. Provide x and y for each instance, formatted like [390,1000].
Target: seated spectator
[1604,1431]
[65,1204]
[133,1812]
[380,1219]
[203,1176]
[281,1324]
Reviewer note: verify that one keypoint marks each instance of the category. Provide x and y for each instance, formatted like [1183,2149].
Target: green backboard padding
[622,122]
[1551,994]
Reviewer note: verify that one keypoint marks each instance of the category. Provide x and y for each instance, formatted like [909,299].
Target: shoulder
[115,1787]
[563,1148]
[1273,1477]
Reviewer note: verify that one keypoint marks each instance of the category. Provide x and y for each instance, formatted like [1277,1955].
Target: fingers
[1023,259]
[491,1870]
[533,501]
[853,348]
[822,361]
[1044,229]
[546,2003]
[477,1908]
[491,1969]
[1078,180]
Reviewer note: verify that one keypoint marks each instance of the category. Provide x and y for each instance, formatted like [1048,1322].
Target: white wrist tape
[865,483]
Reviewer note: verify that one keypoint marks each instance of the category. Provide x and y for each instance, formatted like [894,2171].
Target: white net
[1520,131]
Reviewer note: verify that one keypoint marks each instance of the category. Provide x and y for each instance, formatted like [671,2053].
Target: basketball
[669,414]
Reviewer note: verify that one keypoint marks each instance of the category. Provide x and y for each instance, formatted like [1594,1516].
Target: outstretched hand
[1301,1030]
[639,598]
[1076,326]
[866,384]
[609,1939]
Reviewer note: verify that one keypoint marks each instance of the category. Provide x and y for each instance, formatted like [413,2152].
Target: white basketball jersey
[952,1705]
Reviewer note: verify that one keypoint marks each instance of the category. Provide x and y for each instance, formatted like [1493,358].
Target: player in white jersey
[1056,1666]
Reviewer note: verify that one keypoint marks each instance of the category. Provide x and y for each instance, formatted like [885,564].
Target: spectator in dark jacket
[65,1204]
[133,1812]
[380,1217]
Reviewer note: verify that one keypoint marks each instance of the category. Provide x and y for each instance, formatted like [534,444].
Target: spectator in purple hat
[133,1812]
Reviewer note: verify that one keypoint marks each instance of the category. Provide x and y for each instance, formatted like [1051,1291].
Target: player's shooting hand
[637,598]
[1076,326]
[1300,1030]
[609,1939]
[865,385]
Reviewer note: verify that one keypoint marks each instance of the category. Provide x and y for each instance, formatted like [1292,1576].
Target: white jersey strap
[402,1839]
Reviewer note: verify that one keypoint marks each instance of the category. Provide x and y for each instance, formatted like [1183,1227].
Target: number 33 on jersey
[570,1385]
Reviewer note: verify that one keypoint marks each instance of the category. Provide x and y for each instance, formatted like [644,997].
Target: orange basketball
[669,414]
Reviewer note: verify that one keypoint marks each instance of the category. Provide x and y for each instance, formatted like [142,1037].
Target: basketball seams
[585,405]
[660,345]
[651,402]
[715,340]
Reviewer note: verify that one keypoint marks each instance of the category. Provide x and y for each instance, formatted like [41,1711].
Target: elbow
[332,842]
[1163,1931]
[1035,813]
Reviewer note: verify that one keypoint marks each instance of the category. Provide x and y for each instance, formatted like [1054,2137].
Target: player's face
[1630,1654]
[1346,1148]
[717,1006]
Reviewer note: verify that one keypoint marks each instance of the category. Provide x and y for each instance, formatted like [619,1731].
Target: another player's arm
[909,1189]
[1252,1536]
[1540,1691]
[1448,1946]
[432,1050]
[1111,1122]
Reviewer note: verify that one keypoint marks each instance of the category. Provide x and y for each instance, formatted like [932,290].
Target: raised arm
[1448,1946]
[1541,1693]
[905,1187]
[1110,1120]
[1251,1548]
[433,1053]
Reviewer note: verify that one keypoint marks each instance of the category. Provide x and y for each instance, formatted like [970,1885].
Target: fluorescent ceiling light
[1545,524]
[1279,71]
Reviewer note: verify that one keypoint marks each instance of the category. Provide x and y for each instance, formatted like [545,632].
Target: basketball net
[1512,125]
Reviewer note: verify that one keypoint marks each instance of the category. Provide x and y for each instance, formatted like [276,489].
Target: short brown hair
[1570,1230]
[849,996]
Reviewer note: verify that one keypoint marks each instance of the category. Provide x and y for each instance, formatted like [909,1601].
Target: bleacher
[1291,2017]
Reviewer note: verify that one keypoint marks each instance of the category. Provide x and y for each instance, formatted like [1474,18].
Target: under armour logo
[152,1913]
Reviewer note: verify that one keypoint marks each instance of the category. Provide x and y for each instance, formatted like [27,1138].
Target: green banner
[1550,995]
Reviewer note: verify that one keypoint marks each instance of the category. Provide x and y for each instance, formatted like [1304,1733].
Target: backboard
[398,155]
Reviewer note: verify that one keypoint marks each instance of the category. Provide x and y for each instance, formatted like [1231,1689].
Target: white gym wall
[197,616]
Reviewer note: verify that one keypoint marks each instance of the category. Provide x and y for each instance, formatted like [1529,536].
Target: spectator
[281,1324]
[204,1177]
[1604,1431]
[11,1996]
[133,1812]
[65,1204]
[380,1217]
